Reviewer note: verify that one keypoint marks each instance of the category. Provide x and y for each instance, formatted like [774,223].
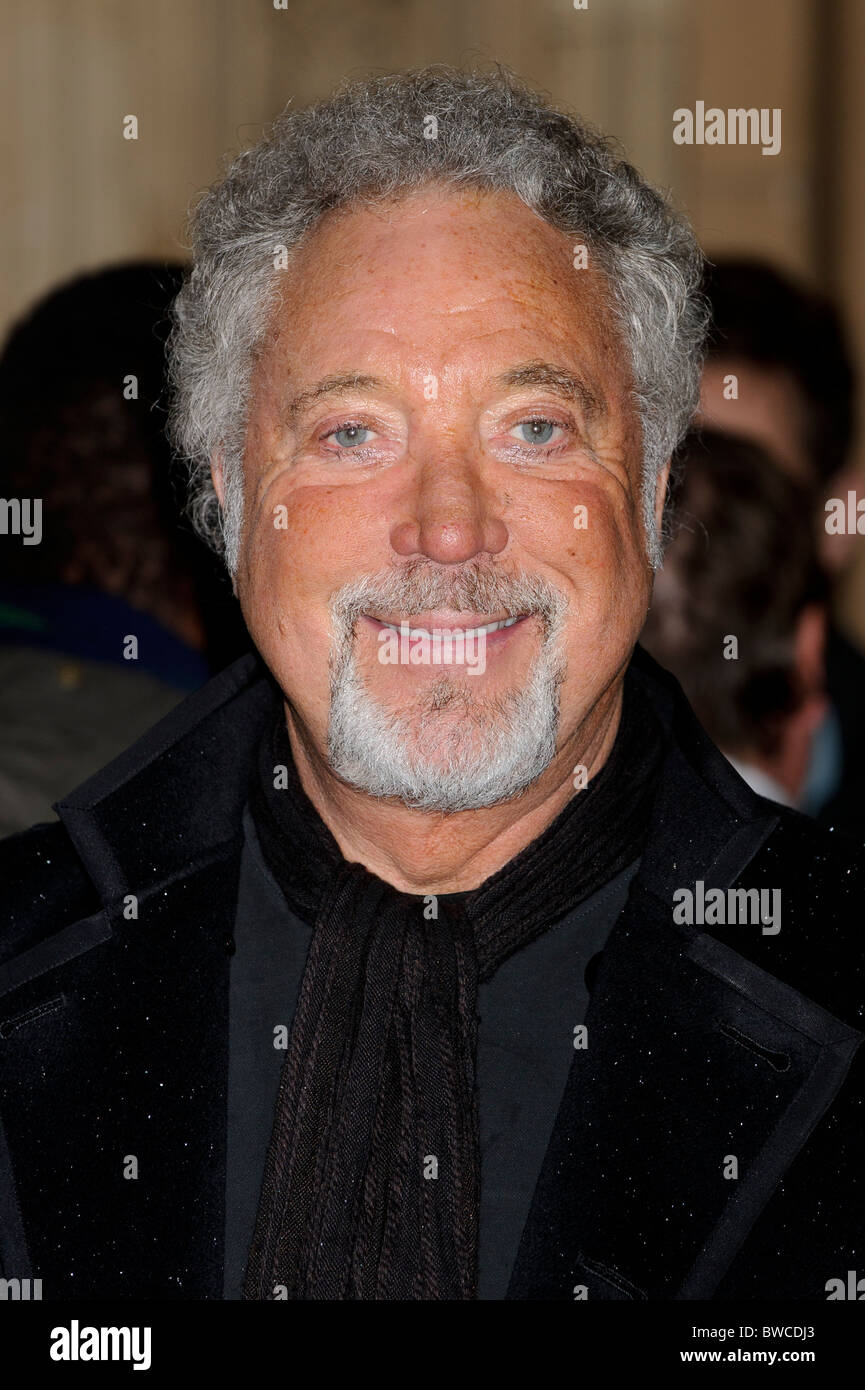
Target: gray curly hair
[367,141]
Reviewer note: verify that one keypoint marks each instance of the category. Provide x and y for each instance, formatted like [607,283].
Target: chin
[445,760]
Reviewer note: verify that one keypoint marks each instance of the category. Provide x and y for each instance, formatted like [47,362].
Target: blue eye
[536,431]
[347,436]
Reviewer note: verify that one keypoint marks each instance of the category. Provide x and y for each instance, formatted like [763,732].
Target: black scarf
[371,1183]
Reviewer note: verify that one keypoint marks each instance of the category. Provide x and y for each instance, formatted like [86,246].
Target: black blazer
[705,1044]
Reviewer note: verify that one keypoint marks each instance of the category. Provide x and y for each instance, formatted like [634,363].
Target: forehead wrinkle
[558,379]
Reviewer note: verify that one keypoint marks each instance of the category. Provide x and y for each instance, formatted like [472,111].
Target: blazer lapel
[117,1026]
[702,1079]
[703,1076]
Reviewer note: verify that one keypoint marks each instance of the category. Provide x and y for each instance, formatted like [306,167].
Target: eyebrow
[558,379]
[537,373]
[335,385]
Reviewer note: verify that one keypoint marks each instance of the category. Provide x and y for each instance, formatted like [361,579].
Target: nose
[451,516]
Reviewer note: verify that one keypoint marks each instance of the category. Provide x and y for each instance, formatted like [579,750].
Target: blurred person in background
[739,615]
[779,371]
[82,416]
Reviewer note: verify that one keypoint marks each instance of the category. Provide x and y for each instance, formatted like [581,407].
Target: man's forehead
[479,320]
[451,253]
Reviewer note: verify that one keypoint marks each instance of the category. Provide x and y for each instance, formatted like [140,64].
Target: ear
[661,494]
[216,474]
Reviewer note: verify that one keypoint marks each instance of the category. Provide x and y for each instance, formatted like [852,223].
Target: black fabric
[527,1013]
[372,1181]
[633,1201]
[271,945]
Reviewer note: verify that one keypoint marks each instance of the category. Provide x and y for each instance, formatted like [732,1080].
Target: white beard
[454,751]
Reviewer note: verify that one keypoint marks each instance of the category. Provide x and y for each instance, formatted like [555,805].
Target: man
[738,614]
[778,371]
[466,1045]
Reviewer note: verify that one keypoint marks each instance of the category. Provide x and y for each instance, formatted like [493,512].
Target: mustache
[420,585]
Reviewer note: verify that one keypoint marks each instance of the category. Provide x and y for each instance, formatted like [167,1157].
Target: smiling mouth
[468,627]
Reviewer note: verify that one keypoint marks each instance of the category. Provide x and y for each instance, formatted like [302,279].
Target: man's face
[441,438]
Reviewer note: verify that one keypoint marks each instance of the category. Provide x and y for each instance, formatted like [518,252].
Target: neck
[426,852]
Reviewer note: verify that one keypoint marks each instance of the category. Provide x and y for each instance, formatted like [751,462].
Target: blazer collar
[175,798]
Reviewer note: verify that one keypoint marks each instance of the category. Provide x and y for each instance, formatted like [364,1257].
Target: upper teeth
[469,631]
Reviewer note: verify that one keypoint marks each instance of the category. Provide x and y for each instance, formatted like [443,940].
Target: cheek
[612,568]
[303,544]
[590,543]
[591,534]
